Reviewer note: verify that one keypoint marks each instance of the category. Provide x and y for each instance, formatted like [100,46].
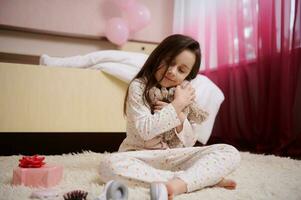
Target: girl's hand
[184,95]
[159,105]
[182,117]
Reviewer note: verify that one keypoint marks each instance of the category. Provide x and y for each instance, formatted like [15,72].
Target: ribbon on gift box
[31,161]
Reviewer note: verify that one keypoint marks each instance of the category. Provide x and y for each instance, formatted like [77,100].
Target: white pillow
[209,97]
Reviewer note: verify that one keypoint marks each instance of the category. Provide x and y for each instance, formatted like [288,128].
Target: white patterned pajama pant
[198,167]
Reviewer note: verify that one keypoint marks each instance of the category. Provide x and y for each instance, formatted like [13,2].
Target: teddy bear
[193,112]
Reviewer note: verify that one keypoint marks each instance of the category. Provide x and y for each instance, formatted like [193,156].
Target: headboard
[40,99]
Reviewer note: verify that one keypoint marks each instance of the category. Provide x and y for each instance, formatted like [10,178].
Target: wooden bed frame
[50,110]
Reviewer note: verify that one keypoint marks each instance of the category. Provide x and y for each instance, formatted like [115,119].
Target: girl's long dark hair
[166,52]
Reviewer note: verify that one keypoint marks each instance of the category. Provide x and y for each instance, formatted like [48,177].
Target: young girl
[144,158]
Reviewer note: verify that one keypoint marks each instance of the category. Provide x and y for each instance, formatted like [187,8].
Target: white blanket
[125,65]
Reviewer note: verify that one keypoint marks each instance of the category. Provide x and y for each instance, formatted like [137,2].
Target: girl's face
[178,70]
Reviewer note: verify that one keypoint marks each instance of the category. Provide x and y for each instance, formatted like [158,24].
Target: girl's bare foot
[170,192]
[175,187]
[227,184]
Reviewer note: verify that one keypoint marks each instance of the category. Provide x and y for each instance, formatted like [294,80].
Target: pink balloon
[124,4]
[117,30]
[138,16]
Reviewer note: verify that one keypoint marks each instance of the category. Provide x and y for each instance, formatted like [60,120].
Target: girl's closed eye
[182,71]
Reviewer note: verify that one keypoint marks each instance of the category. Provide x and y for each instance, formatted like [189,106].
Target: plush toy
[193,112]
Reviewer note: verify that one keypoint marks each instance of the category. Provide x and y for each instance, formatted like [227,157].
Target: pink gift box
[45,176]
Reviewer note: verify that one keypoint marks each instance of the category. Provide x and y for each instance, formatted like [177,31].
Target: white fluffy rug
[258,177]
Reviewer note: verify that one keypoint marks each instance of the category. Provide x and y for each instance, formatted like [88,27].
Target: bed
[32,96]
[90,121]
[59,106]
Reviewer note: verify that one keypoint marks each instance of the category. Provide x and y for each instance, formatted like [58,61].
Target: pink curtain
[252,51]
